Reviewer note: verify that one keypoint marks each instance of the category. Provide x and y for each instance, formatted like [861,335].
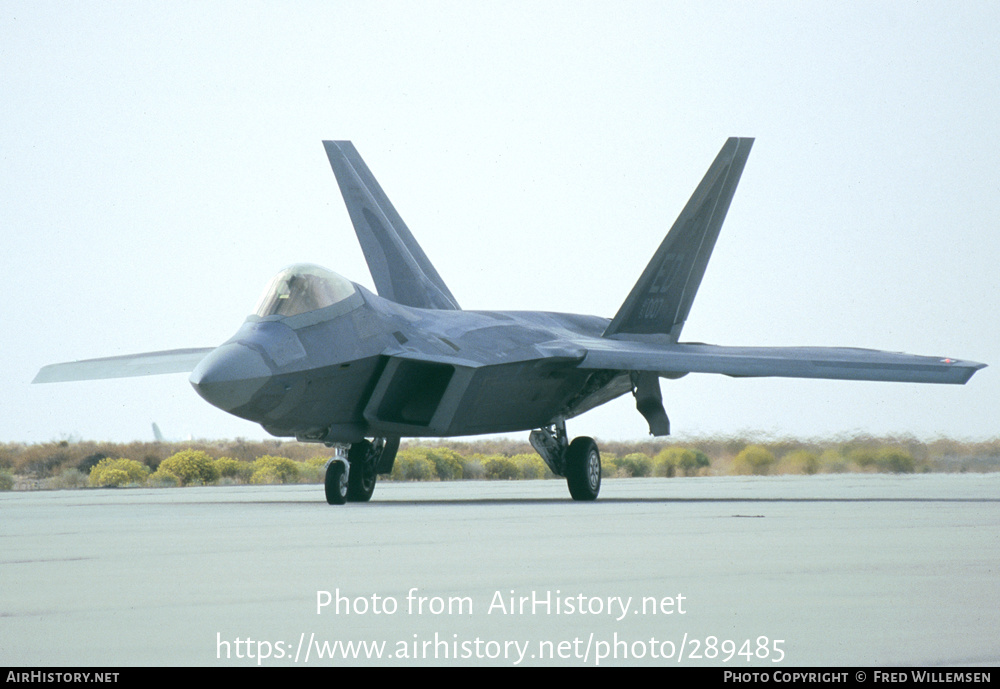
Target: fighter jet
[322,359]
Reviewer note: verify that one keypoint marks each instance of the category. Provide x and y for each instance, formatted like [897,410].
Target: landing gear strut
[579,461]
[354,469]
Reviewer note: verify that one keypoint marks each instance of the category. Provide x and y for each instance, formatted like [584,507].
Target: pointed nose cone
[229,376]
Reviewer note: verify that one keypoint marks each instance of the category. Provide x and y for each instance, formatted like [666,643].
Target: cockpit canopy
[303,287]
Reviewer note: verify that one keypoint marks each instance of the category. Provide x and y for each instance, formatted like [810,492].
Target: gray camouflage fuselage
[377,368]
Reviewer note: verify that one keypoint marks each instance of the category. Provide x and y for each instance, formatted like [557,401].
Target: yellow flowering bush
[118,472]
[753,459]
[233,469]
[270,469]
[189,467]
[679,461]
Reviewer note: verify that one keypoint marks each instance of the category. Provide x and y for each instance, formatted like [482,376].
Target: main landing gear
[579,461]
[351,474]
[353,471]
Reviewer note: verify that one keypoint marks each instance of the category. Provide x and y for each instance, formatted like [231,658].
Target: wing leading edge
[837,363]
[127,366]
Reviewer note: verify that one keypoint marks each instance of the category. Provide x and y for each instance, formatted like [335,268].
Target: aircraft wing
[838,363]
[126,366]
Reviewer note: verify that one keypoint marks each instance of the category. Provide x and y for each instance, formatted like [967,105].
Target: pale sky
[159,162]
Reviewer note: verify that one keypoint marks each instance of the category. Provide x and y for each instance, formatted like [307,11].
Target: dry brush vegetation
[79,464]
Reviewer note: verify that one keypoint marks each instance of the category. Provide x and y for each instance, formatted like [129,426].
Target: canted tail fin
[661,299]
[400,268]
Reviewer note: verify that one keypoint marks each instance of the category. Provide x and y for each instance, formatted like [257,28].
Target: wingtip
[968,368]
[47,374]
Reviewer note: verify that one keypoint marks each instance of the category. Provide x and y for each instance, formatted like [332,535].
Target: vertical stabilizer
[401,270]
[661,299]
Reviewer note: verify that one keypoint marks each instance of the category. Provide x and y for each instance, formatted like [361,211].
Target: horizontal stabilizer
[401,270]
[127,366]
[661,299]
[838,363]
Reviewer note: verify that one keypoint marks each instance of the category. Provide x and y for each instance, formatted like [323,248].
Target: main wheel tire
[336,483]
[583,469]
[364,458]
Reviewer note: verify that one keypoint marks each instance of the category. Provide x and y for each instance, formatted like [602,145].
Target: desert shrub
[800,462]
[89,462]
[832,462]
[501,468]
[227,467]
[271,469]
[39,461]
[692,462]
[233,470]
[412,466]
[863,457]
[674,461]
[190,467]
[118,472]
[162,479]
[7,454]
[69,479]
[894,460]
[531,466]
[447,463]
[753,459]
[310,473]
[6,479]
[313,470]
[634,464]
[666,460]
[472,467]
[889,460]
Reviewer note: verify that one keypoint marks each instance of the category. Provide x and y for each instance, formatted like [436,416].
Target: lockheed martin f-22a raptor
[322,359]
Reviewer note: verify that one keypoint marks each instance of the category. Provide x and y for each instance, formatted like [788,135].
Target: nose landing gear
[351,475]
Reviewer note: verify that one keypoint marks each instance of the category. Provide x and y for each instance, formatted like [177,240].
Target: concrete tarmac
[746,573]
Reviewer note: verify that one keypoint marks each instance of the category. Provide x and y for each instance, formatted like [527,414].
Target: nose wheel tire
[336,483]
[583,469]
